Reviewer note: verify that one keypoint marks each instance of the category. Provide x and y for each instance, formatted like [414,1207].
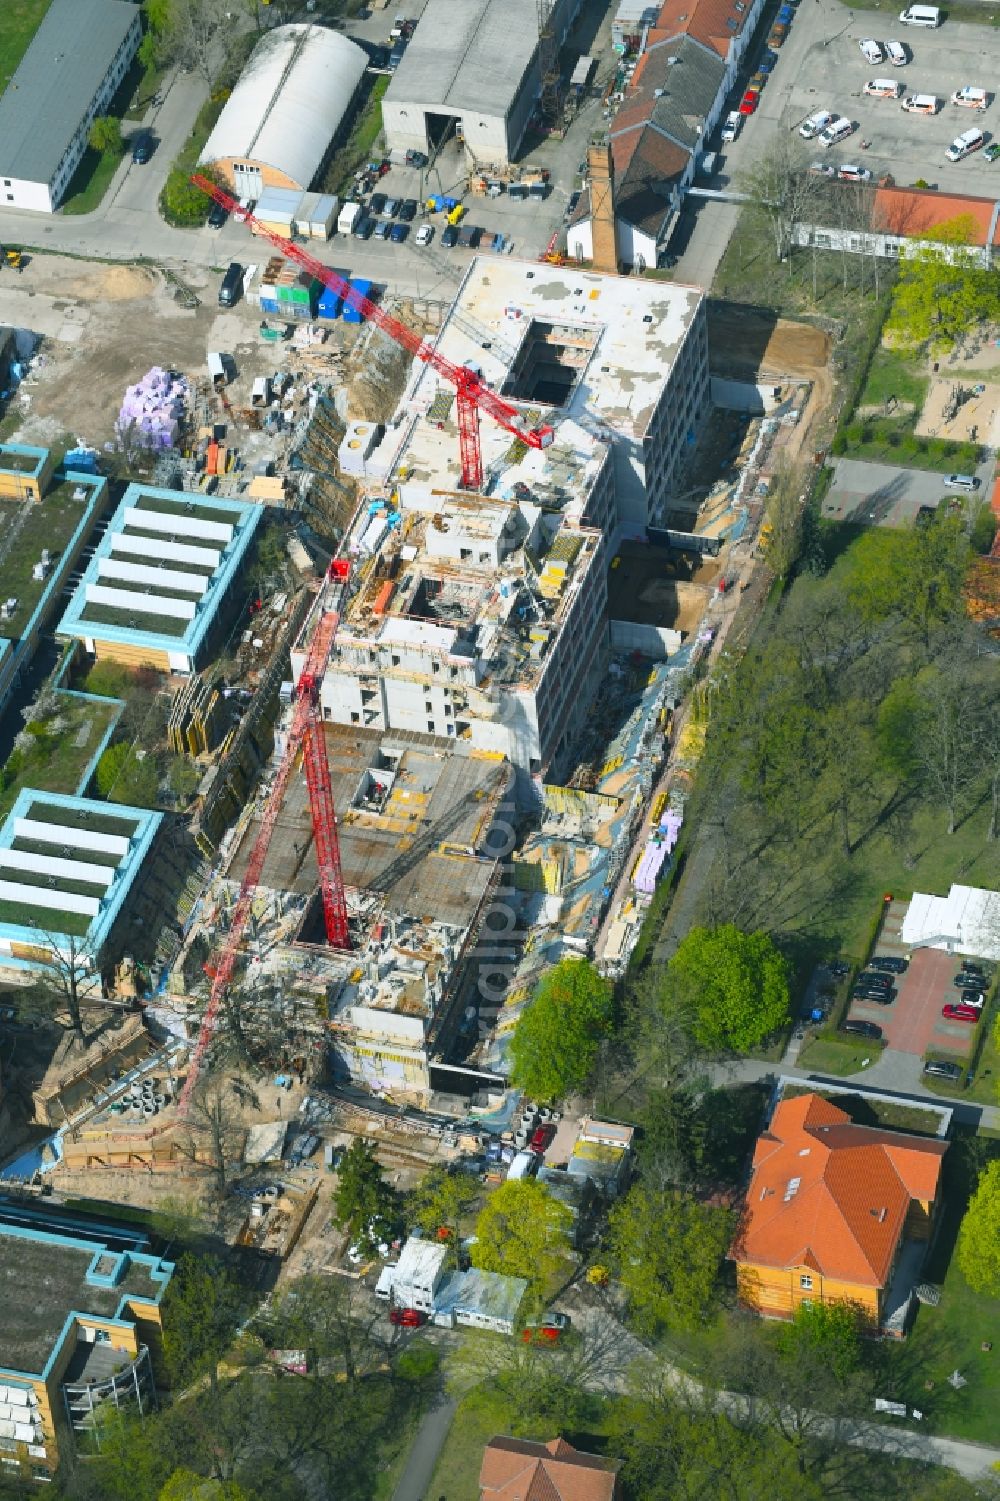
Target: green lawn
[57,761]
[829,1055]
[49,523]
[90,182]
[868,1112]
[893,374]
[20,21]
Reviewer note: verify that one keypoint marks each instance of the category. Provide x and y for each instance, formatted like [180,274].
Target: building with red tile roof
[516,1469]
[829,1209]
[689,54]
[902,217]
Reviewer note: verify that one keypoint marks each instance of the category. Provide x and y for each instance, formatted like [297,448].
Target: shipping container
[351,314]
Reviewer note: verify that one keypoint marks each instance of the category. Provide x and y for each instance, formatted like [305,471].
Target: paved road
[886,495]
[426,1447]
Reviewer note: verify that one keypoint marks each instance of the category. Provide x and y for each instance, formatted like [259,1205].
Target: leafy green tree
[109,680]
[181,203]
[557,1037]
[202,1308]
[187,1485]
[735,983]
[941,294]
[362,1195]
[979,1236]
[668,1248]
[123,777]
[105,135]
[524,1232]
[827,1333]
[915,574]
[440,1199]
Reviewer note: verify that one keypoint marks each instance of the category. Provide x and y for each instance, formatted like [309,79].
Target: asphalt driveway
[884,495]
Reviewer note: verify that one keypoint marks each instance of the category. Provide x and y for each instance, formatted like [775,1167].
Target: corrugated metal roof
[52,89]
[289,102]
[468,55]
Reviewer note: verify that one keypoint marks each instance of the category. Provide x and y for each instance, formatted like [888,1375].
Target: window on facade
[805,1282]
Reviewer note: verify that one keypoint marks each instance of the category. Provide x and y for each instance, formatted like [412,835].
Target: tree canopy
[941,294]
[524,1232]
[735,983]
[105,135]
[362,1195]
[440,1200]
[557,1037]
[979,1236]
[668,1249]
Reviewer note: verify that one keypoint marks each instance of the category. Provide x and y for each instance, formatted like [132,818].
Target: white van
[921,104]
[970,98]
[815,123]
[920,15]
[883,88]
[731,128]
[965,144]
[838,131]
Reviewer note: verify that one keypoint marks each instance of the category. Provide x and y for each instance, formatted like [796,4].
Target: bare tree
[196,36]
[786,191]
[214,1135]
[67,981]
[783,514]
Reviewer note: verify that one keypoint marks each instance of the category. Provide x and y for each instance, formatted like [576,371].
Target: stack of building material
[198,719]
[285,290]
[155,408]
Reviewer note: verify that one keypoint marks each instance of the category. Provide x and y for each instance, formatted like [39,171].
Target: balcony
[98,1374]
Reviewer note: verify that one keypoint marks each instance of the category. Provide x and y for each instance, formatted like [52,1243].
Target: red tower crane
[472,393]
[305,734]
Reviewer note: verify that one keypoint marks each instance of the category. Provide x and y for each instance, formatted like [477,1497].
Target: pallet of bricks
[287,291]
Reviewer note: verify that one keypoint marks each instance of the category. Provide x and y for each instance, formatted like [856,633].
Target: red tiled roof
[714,23]
[516,1469]
[916,212]
[832,1195]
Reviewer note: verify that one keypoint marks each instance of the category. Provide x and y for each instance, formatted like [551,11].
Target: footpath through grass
[19,20]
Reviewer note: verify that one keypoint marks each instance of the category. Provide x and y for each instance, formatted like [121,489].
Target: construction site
[446,742]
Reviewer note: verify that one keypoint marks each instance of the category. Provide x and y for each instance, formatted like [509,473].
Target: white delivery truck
[348,217]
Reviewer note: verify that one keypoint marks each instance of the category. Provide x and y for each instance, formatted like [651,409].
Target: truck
[348,217]
[581,75]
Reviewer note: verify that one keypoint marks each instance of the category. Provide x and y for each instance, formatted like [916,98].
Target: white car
[731,128]
[963,145]
[970,97]
[815,123]
[425,234]
[838,131]
[823,169]
[961,482]
[850,173]
[896,53]
[871,51]
[882,88]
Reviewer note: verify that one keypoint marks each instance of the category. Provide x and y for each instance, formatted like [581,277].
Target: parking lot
[913,1023]
[832,75]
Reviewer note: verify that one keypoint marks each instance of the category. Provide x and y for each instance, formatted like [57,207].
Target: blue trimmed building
[80,1331]
[67,865]
[165,567]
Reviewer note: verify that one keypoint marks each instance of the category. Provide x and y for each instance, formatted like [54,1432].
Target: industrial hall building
[472,68]
[68,76]
[281,120]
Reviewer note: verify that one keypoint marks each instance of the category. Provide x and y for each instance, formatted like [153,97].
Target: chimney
[602,206]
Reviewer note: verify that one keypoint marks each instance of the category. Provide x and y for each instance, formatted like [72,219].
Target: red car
[961,1013]
[749,103]
[408,1318]
[548,1328]
[542,1139]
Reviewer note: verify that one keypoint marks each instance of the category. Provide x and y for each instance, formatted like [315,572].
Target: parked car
[382,229]
[425,234]
[872,977]
[407,1318]
[548,1328]
[217,216]
[449,236]
[992,151]
[731,126]
[365,228]
[862,1029]
[376,204]
[749,103]
[776,36]
[882,88]
[823,169]
[838,131]
[398,233]
[975,998]
[758,81]
[542,1139]
[897,54]
[767,62]
[871,51]
[961,481]
[408,210]
[142,149]
[873,993]
[392,207]
[969,977]
[891,962]
[939,1069]
[970,97]
[851,173]
[815,123]
[961,1013]
[963,146]
[416,159]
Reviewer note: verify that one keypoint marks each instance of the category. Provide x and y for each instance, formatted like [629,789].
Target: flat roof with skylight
[67,865]
[160,574]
